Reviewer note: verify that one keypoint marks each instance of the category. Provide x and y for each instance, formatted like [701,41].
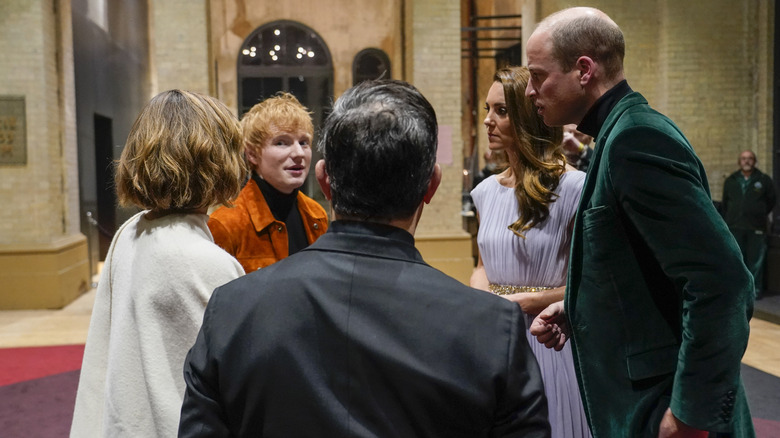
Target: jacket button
[316,226]
[280,228]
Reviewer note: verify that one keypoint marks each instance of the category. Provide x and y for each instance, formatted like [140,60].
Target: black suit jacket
[356,336]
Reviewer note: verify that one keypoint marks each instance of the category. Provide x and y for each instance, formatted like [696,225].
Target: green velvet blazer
[658,298]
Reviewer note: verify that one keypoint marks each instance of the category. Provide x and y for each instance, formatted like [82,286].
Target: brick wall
[43,256]
[764,47]
[708,59]
[707,64]
[436,71]
[68,136]
[180,46]
[33,195]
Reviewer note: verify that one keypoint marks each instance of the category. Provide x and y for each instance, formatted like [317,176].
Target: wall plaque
[13,139]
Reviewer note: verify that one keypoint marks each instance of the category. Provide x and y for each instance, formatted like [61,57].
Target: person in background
[272,218]
[183,154]
[658,301]
[576,147]
[495,162]
[525,223]
[356,335]
[748,198]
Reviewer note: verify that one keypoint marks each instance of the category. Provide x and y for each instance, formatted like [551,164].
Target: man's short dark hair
[379,145]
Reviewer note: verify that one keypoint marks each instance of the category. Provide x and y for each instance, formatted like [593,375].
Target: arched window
[287,56]
[284,56]
[370,64]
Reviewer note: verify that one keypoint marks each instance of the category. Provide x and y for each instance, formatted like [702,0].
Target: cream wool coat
[153,290]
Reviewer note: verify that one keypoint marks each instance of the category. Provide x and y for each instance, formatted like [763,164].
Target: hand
[533,303]
[671,427]
[551,327]
[528,301]
[571,145]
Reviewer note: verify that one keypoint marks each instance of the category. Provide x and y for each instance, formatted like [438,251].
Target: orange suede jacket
[250,233]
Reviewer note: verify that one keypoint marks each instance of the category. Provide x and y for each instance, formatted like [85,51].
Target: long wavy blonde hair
[536,159]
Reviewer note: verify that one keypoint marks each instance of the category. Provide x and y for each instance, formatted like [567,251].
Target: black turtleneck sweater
[597,114]
[284,207]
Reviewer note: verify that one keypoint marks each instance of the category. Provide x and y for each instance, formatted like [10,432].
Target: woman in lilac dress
[526,215]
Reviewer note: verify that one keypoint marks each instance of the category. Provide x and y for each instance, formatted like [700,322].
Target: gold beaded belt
[508,289]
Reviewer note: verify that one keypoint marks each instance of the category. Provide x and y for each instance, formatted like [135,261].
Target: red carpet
[766,428]
[38,390]
[27,363]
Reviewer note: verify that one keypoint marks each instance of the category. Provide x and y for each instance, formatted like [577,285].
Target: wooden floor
[26,328]
[763,350]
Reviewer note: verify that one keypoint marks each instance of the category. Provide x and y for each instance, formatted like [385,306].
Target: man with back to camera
[748,198]
[658,300]
[356,335]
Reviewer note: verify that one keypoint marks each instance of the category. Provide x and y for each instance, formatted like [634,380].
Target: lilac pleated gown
[541,259]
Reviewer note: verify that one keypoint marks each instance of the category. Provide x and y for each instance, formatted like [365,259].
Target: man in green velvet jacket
[658,299]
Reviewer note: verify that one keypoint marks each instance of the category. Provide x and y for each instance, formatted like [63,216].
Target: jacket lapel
[594,181]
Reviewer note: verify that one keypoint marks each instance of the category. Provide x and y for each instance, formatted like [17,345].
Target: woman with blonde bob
[272,218]
[525,228]
[183,154]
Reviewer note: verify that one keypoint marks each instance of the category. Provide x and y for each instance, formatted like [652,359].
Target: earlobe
[251,155]
[586,67]
[433,184]
[322,178]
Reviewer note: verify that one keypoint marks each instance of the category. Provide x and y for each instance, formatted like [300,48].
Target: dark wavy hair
[379,146]
[536,158]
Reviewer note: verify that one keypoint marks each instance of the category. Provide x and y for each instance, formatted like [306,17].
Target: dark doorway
[370,64]
[104,176]
[287,56]
[510,56]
